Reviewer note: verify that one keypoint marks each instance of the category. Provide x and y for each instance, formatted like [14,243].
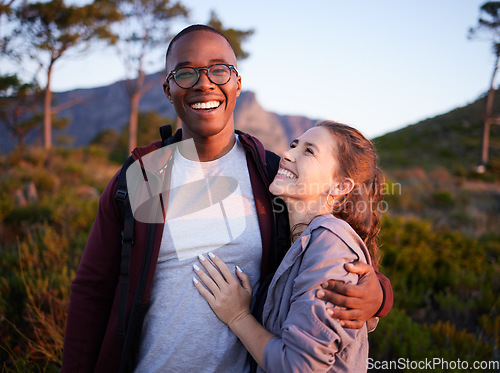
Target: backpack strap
[272,165]
[165,132]
[123,203]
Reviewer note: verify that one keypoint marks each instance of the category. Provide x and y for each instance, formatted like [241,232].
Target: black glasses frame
[198,69]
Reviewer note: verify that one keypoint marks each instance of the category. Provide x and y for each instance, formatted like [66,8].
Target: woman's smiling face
[307,170]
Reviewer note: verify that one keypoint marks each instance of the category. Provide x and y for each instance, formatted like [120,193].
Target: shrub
[34,299]
[400,339]
[439,275]
[442,199]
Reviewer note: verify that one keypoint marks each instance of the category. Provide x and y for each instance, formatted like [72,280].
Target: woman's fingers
[227,297]
[219,279]
[217,276]
[209,297]
[245,280]
[223,268]
[206,279]
[212,271]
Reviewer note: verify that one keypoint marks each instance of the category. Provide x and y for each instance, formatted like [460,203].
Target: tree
[50,30]
[116,144]
[5,9]
[144,28]
[147,132]
[489,22]
[235,37]
[19,104]
[5,6]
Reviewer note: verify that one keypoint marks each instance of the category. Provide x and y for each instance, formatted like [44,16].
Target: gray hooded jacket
[308,339]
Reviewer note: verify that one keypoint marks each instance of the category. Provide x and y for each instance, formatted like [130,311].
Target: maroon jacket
[91,342]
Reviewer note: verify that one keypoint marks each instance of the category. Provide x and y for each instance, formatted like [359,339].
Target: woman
[332,186]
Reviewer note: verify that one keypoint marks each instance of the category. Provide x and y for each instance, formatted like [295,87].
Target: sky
[376,65]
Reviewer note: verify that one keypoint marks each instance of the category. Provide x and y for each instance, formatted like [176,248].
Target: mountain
[452,141]
[97,109]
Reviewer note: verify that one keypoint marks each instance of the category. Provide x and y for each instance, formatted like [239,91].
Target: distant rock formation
[250,117]
[107,107]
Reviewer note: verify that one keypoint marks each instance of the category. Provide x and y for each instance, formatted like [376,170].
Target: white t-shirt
[211,207]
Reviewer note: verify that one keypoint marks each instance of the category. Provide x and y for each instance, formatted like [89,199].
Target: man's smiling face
[206,109]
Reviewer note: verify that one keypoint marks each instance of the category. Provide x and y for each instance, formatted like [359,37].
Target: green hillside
[452,140]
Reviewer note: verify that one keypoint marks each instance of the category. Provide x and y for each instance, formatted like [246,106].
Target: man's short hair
[192,28]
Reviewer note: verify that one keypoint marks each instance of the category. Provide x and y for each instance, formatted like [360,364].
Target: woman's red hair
[358,160]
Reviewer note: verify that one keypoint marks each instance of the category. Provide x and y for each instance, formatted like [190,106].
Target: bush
[34,298]
[41,244]
[443,279]
[401,340]
[442,199]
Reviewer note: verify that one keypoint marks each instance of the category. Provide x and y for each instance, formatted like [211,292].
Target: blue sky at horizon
[378,66]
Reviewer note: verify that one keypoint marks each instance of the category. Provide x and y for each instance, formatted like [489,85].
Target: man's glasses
[187,77]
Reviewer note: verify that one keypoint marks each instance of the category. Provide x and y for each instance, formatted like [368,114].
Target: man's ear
[166,90]
[342,188]
[238,81]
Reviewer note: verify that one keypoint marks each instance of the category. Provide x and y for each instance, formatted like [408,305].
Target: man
[169,326]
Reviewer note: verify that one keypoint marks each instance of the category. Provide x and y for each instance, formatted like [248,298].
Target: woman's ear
[342,188]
